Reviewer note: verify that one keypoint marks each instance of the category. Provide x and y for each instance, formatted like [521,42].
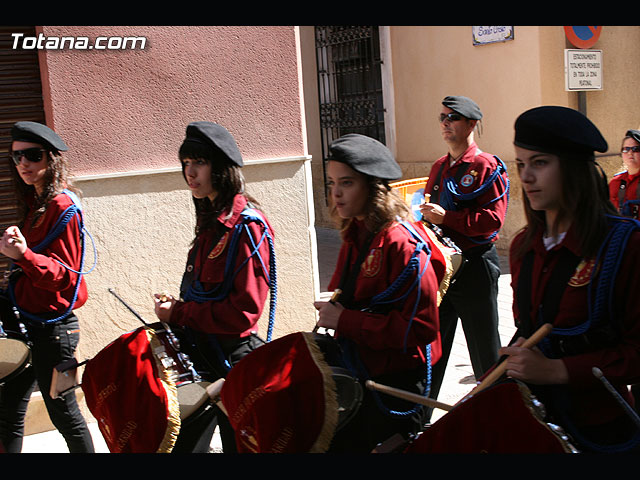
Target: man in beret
[466,198]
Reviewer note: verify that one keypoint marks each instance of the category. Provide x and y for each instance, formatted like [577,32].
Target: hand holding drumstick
[12,243]
[163,306]
[432,212]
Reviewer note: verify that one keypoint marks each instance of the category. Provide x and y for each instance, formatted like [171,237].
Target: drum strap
[450,198]
[61,224]
[191,288]
[629,208]
[349,275]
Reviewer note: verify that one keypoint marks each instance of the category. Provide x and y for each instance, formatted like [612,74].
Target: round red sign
[583,37]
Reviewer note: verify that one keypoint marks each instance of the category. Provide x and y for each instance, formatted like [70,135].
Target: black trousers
[196,433]
[473,298]
[374,423]
[51,345]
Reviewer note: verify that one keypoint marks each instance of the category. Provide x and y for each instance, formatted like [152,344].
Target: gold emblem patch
[373,263]
[582,274]
[219,247]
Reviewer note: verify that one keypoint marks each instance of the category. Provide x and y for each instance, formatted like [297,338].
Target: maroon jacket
[47,286]
[476,219]
[380,337]
[591,403]
[629,192]
[237,314]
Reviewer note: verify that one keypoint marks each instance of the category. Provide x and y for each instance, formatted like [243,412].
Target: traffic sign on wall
[582,37]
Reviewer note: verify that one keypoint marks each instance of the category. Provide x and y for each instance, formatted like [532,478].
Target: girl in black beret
[386,333]
[230,272]
[575,266]
[46,286]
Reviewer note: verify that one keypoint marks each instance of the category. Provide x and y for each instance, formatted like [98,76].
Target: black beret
[635,134]
[217,137]
[555,129]
[464,106]
[365,155]
[35,132]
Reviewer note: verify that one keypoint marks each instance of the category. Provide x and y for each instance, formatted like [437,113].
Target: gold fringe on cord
[330,423]
[173,414]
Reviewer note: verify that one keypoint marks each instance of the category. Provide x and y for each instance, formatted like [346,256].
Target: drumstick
[625,406]
[332,300]
[412,397]
[137,315]
[214,391]
[498,371]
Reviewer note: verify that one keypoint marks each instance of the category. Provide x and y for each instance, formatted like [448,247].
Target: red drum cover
[132,396]
[281,398]
[499,419]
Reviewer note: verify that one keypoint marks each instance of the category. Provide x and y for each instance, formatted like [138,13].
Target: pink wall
[123,110]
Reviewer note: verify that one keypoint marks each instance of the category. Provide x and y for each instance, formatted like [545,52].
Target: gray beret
[555,129]
[365,155]
[464,106]
[35,132]
[635,134]
[216,137]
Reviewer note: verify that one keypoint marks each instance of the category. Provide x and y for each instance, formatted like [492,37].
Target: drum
[15,348]
[141,389]
[503,418]
[15,355]
[290,395]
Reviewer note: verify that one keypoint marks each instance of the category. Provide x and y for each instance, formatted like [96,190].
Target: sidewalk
[458,380]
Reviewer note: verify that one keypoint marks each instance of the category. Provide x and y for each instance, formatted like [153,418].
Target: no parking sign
[583,37]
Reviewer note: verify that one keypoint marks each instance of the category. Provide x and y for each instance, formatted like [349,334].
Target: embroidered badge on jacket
[373,263]
[467,180]
[583,273]
[219,247]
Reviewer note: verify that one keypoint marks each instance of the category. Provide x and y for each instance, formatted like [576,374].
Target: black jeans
[51,345]
[381,416]
[196,433]
[473,298]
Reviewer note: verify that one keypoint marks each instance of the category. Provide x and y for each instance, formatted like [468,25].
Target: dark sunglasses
[634,149]
[452,117]
[33,155]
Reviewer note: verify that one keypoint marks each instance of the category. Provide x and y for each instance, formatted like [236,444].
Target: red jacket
[630,191]
[47,286]
[237,314]
[381,337]
[620,364]
[475,219]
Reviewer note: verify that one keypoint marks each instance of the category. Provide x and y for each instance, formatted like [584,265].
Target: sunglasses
[34,155]
[452,117]
[634,149]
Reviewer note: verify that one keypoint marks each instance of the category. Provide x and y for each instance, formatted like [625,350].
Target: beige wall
[428,63]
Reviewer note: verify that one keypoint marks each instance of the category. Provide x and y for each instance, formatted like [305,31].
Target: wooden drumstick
[499,370]
[336,294]
[409,396]
[213,391]
[332,300]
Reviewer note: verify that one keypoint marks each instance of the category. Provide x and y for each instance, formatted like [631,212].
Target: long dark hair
[56,179]
[383,207]
[584,202]
[226,179]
